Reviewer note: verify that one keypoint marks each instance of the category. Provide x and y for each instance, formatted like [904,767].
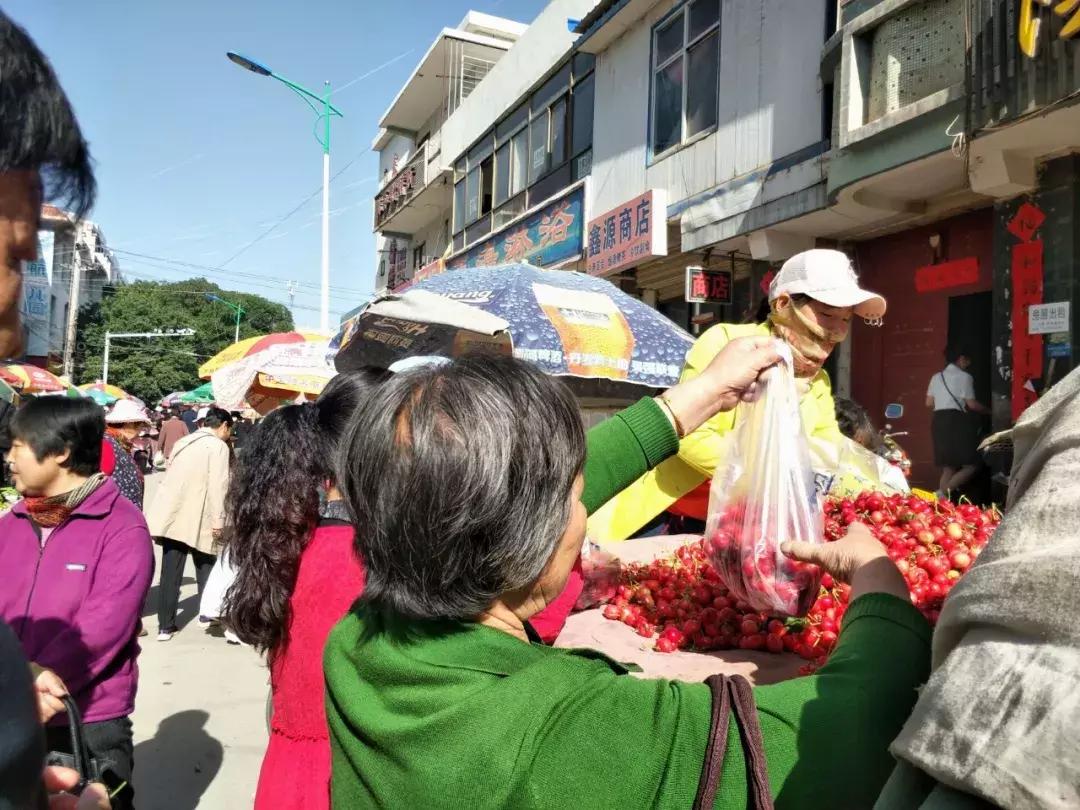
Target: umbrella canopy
[7,392]
[274,376]
[172,399]
[566,323]
[254,345]
[203,395]
[27,379]
[103,393]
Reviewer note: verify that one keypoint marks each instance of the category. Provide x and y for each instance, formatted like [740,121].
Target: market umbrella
[203,395]
[7,392]
[103,393]
[274,376]
[172,399]
[27,379]
[254,345]
[568,324]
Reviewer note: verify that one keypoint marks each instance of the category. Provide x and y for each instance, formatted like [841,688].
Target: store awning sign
[628,234]
[708,286]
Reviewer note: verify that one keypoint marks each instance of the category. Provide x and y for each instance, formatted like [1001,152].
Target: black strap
[733,695]
[962,406]
[79,751]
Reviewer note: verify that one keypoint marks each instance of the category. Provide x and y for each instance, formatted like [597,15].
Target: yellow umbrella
[254,345]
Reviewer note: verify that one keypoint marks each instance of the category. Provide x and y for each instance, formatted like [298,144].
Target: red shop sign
[947,275]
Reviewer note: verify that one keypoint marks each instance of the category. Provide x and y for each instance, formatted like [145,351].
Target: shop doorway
[971,325]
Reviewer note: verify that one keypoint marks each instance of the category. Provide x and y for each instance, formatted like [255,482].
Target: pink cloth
[296,769]
[548,623]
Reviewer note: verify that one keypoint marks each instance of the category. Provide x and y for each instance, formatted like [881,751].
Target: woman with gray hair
[471,485]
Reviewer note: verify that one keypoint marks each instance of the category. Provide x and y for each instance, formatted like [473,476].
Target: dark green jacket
[459,715]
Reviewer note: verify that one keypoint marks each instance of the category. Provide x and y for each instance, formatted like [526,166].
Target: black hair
[854,420]
[459,478]
[273,504]
[216,417]
[52,425]
[954,351]
[764,308]
[40,131]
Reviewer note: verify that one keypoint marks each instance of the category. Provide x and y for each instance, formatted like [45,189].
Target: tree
[152,368]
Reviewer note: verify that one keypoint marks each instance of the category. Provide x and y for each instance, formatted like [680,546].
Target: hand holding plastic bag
[764,495]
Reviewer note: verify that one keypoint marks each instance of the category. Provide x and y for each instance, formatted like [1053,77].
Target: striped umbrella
[254,345]
[27,379]
[275,376]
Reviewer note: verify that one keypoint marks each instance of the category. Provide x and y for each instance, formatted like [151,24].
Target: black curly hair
[272,505]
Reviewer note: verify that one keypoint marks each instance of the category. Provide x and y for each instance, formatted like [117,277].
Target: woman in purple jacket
[77,561]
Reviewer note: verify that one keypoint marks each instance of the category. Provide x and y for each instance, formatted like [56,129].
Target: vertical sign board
[628,234]
[35,299]
[1027,291]
[708,286]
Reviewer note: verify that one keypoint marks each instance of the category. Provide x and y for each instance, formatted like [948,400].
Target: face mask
[810,344]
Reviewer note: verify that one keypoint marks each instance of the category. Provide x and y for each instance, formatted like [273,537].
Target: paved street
[200,728]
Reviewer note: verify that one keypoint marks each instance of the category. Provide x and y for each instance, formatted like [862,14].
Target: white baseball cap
[202,413]
[125,411]
[827,276]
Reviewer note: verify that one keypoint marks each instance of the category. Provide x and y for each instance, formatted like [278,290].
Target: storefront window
[583,116]
[459,205]
[557,150]
[686,72]
[519,161]
[538,154]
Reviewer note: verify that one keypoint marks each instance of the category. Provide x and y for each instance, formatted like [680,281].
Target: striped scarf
[50,512]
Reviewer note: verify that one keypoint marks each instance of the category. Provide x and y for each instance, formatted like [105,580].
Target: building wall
[399,146]
[547,39]
[894,362]
[770,103]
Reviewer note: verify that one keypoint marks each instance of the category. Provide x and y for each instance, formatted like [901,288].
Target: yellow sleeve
[819,412]
[701,449]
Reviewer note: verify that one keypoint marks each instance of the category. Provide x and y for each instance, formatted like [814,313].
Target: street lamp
[324,111]
[239,311]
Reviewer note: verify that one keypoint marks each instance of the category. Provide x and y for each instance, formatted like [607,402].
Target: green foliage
[150,368]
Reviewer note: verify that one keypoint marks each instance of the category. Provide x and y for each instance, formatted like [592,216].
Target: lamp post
[239,311]
[111,336]
[324,111]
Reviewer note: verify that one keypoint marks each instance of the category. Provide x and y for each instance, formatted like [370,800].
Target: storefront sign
[36,300]
[708,286]
[1046,319]
[629,234]
[551,235]
[1031,23]
[959,273]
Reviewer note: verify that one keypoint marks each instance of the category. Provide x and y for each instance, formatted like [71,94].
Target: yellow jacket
[700,452]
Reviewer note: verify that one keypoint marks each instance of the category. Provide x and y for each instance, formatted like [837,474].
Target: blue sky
[196,157]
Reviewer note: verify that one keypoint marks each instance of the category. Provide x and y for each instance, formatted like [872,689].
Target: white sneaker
[165,635]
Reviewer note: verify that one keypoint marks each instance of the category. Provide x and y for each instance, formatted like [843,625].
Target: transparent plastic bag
[763,495]
[600,572]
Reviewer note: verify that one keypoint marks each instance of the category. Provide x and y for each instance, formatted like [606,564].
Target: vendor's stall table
[590,629]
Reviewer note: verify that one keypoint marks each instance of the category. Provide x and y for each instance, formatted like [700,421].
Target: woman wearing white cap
[123,423]
[812,301]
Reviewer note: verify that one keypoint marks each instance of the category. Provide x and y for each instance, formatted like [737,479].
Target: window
[557,147]
[472,195]
[487,181]
[686,72]
[502,174]
[538,162]
[519,162]
[418,257]
[581,139]
[459,205]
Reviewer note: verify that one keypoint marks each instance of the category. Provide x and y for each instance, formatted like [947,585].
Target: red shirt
[296,769]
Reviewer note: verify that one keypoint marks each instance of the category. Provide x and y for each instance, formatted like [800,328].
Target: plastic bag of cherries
[763,495]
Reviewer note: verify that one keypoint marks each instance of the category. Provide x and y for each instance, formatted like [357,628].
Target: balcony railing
[1017,68]
[402,187]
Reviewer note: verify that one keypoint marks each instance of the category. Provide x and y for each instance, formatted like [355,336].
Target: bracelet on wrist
[663,402]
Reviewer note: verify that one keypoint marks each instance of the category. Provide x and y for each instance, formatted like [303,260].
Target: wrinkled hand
[730,378]
[58,780]
[49,689]
[857,558]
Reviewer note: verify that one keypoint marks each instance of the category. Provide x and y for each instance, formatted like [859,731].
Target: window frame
[683,55]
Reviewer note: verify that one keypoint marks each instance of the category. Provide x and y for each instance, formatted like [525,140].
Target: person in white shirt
[951,395]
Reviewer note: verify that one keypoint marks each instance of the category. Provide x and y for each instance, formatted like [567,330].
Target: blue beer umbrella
[568,324]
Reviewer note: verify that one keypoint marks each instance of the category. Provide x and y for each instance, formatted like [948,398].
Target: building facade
[73,260]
